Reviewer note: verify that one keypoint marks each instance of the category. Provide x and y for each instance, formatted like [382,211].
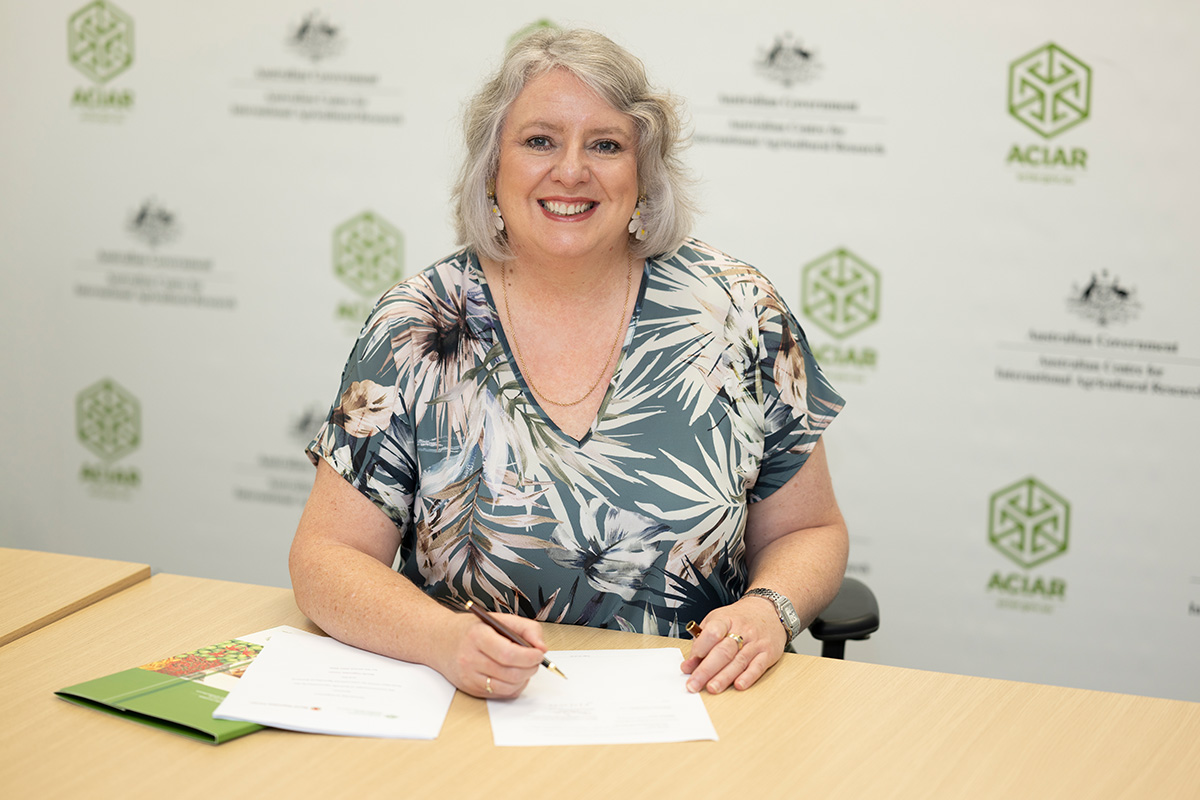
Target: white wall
[974,366]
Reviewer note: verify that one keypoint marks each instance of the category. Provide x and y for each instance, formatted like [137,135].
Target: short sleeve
[368,435]
[798,400]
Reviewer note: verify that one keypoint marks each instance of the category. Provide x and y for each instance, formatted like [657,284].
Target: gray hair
[618,77]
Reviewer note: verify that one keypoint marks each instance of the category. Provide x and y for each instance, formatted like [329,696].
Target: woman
[582,417]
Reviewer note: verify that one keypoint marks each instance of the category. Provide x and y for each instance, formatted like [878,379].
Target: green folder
[177,694]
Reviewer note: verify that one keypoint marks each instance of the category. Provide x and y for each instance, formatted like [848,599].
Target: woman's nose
[571,168]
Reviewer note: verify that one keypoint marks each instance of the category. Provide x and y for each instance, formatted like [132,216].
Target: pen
[511,635]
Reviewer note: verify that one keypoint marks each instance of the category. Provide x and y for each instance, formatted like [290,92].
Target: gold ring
[487,684]
[740,641]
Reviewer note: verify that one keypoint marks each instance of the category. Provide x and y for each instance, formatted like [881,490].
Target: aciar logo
[840,293]
[100,41]
[368,256]
[1029,522]
[1049,90]
[108,420]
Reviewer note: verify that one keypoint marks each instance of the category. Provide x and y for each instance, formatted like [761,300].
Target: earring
[497,220]
[636,225]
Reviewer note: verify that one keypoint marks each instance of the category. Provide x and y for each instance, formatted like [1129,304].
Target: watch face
[790,617]
[785,609]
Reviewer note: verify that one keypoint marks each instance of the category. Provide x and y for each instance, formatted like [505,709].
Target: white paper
[609,697]
[314,684]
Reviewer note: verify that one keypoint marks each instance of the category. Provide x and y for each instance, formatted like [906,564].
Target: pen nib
[550,666]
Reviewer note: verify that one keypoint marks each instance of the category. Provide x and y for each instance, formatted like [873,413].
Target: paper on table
[610,697]
[314,684]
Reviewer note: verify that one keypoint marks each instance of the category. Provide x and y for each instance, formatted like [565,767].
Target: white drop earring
[637,225]
[497,220]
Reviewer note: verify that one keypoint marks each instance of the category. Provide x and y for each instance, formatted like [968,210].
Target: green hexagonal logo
[368,253]
[1049,90]
[108,420]
[100,41]
[1029,522]
[840,293]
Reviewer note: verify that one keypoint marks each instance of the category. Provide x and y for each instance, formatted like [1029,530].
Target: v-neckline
[614,383]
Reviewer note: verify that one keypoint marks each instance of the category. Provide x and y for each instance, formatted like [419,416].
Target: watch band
[783,607]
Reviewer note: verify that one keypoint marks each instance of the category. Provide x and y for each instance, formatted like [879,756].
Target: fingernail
[692,687]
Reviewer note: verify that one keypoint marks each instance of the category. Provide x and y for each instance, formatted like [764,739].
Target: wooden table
[812,728]
[38,588]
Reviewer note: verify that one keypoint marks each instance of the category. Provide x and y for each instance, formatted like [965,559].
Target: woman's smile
[567,208]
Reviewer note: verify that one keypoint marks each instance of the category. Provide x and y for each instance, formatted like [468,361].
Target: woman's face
[567,180]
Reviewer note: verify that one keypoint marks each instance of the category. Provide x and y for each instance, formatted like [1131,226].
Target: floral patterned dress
[715,403]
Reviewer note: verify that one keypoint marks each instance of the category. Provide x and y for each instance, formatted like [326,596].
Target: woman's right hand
[473,653]
[342,580]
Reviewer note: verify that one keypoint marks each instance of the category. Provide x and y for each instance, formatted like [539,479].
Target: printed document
[315,684]
[609,697]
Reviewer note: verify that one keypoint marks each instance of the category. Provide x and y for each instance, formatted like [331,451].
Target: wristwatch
[784,608]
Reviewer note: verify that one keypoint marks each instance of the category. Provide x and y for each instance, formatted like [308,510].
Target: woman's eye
[538,142]
[608,146]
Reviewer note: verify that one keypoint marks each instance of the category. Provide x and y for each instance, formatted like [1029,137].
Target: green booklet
[180,693]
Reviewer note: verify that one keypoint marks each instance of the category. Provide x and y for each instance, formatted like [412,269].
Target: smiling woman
[583,416]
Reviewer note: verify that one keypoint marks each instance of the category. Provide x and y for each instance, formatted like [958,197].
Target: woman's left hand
[718,661]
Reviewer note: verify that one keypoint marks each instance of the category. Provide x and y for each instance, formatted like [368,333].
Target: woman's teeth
[565,209]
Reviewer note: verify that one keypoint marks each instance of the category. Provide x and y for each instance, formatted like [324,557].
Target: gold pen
[510,635]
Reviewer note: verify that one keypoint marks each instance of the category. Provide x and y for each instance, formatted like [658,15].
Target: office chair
[853,614]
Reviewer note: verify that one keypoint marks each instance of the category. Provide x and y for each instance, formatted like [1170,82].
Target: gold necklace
[611,353]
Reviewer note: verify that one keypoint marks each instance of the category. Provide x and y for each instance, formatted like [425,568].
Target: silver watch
[784,608]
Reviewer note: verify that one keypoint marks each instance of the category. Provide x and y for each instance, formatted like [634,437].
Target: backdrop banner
[984,219]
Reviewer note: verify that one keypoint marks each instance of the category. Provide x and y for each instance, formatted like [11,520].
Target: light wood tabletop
[812,728]
[38,588]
